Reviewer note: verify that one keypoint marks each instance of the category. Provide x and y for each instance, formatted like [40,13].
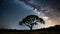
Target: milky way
[50,13]
[13,11]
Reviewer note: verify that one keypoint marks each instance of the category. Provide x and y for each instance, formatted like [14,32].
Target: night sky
[13,11]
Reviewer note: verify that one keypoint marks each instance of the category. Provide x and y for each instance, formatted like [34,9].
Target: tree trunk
[30,28]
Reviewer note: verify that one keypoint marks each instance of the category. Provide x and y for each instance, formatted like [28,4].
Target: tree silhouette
[31,20]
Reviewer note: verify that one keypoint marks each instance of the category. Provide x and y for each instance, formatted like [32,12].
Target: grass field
[51,30]
[30,32]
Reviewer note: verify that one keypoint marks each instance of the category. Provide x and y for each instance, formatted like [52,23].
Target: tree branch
[27,25]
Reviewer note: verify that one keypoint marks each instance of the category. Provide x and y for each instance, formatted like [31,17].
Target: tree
[31,20]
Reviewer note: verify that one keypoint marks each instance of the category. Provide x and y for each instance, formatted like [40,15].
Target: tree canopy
[31,20]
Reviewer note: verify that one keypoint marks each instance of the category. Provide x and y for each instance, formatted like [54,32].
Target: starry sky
[13,11]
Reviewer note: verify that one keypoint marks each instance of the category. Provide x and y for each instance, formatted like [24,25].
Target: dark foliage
[31,20]
[55,28]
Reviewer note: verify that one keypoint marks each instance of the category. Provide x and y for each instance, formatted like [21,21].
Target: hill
[53,30]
